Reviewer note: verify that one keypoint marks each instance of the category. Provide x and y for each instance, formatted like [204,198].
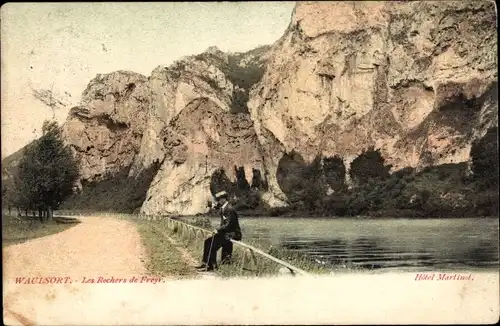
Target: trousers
[217,242]
[227,252]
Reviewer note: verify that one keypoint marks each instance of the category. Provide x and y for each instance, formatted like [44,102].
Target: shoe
[208,269]
[202,266]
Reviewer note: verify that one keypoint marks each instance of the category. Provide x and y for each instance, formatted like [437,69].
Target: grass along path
[167,256]
[16,229]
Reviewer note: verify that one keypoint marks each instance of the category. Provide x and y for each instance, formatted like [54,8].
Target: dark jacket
[229,224]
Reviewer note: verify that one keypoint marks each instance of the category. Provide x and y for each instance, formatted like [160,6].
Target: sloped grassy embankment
[19,229]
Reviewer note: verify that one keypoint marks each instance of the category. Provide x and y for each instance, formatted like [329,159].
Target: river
[382,243]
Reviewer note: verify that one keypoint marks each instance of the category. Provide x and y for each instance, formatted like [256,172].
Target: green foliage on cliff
[446,190]
[116,193]
[241,74]
[432,192]
[302,183]
[334,171]
[484,153]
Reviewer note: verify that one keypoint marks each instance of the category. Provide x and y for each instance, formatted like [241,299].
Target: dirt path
[98,247]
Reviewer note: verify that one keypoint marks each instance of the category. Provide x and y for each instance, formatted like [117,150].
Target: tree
[313,184]
[46,173]
[303,184]
[334,171]
[484,153]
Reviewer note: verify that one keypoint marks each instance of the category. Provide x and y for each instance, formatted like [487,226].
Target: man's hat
[220,194]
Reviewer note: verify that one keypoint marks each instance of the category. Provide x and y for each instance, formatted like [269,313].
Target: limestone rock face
[190,117]
[416,80]
[202,138]
[172,88]
[106,129]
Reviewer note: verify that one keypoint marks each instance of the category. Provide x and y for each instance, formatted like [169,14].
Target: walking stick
[210,252]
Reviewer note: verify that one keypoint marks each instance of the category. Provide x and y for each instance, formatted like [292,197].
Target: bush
[249,200]
[335,205]
[404,172]
[278,211]
[487,204]
[334,172]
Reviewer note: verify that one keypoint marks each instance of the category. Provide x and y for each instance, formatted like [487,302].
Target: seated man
[229,229]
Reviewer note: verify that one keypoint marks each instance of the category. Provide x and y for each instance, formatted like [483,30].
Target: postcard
[250,163]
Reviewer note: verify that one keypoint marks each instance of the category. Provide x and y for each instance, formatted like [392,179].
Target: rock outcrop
[106,129]
[189,118]
[199,141]
[205,129]
[416,80]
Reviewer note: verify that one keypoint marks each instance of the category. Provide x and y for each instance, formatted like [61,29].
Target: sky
[62,46]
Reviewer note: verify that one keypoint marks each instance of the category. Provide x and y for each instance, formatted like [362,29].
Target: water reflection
[370,253]
[376,244]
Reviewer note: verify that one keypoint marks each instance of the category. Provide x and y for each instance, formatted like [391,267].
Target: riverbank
[112,249]
[238,266]
[290,213]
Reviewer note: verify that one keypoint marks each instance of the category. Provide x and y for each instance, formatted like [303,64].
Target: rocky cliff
[106,129]
[190,119]
[200,140]
[415,80]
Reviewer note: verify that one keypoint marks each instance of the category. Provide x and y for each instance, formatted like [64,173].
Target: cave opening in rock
[290,175]
[241,181]
[369,165]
